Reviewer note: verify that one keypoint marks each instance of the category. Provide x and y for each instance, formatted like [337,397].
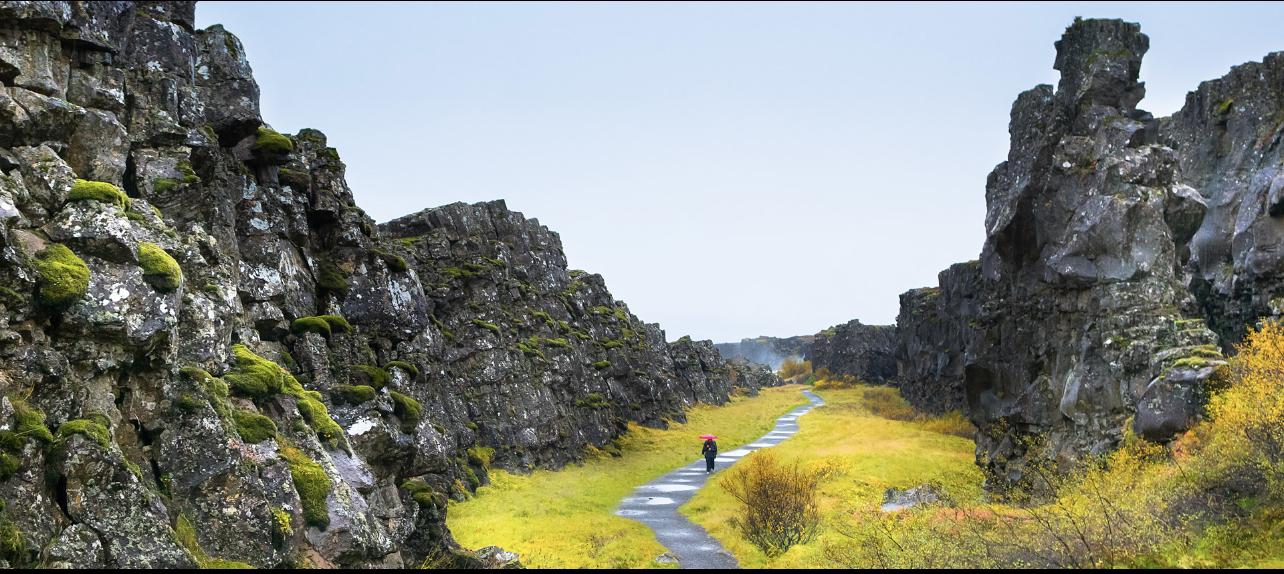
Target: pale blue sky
[732,169]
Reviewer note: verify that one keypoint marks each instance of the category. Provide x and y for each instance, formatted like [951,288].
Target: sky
[731,169]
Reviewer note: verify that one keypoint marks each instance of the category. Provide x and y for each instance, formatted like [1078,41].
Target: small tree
[778,506]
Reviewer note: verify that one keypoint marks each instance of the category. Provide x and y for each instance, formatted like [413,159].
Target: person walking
[710,452]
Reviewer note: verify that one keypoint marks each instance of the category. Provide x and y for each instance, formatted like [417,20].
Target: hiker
[710,452]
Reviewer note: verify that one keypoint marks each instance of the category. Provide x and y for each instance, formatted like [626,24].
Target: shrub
[1250,412]
[355,394]
[793,367]
[85,190]
[271,141]
[312,484]
[64,277]
[407,409]
[407,367]
[159,268]
[253,427]
[310,325]
[778,504]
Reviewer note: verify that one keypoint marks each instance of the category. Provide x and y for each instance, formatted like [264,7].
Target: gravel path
[656,503]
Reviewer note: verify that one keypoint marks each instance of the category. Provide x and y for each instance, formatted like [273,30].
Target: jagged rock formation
[769,351]
[867,352]
[211,354]
[935,329]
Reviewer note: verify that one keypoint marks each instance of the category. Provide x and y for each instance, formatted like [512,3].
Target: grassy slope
[565,518]
[866,454]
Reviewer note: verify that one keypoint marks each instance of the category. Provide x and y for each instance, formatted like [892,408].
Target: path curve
[656,503]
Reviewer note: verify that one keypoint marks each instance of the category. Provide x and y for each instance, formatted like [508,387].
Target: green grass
[565,518]
[863,455]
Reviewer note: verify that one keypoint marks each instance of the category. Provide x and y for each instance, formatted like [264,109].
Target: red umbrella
[708,437]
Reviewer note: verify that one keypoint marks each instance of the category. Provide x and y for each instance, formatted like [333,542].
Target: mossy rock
[91,429]
[487,326]
[159,268]
[480,456]
[270,141]
[395,263]
[30,422]
[593,401]
[407,409]
[13,545]
[378,377]
[318,417]
[63,277]
[355,394]
[601,364]
[312,484]
[253,427]
[256,377]
[337,323]
[9,465]
[310,325]
[185,536]
[407,367]
[331,277]
[85,190]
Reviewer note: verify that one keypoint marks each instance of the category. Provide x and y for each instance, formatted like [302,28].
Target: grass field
[564,518]
[862,454]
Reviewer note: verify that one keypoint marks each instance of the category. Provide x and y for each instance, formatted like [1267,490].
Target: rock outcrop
[211,355]
[867,352]
[769,351]
[935,331]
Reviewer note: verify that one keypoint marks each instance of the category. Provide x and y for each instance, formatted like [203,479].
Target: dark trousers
[708,463]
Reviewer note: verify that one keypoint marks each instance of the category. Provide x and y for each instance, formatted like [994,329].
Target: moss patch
[593,401]
[85,190]
[312,484]
[185,535]
[30,422]
[395,262]
[271,141]
[255,376]
[407,409]
[377,377]
[331,277]
[13,546]
[407,367]
[355,394]
[64,277]
[310,325]
[253,427]
[487,326]
[337,323]
[91,429]
[159,269]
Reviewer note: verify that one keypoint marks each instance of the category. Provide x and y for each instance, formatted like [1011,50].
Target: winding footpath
[656,503]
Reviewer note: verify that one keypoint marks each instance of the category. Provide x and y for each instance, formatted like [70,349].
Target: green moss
[9,465]
[12,299]
[256,377]
[189,175]
[85,190]
[471,425]
[601,364]
[355,394]
[331,277]
[195,374]
[190,402]
[612,344]
[593,401]
[558,342]
[407,409]
[134,216]
[13,546]
[63,277]
[318,417]
[253,427]
[87,428]
[530,349]
[600,310]
[410,241]
[337,323]
[1224,107]
[312,484]
[487,326]
[329,153]
[458,273]
[394,262]
[480,456]
[271,141]
[407,367]
[310,325]
[185,536]
[378,377]
[282,523]
[30,422]
[159,269]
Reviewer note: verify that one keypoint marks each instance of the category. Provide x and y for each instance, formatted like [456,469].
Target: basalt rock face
[1228,141]
[769,351]
[935,331]
[867,352]
[1084,317]
[209,352]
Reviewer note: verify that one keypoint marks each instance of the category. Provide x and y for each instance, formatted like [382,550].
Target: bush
[778,504]
[159,268]
[793,367]
[1250,412]
[312,484]
[85,190]
[63,277]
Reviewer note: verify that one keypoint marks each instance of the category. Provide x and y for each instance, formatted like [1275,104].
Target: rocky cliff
[1113,239]
[768,351]
[212,355]
[867,352]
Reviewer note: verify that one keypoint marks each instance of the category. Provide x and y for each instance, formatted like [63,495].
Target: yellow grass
[564,519]
[861,454]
